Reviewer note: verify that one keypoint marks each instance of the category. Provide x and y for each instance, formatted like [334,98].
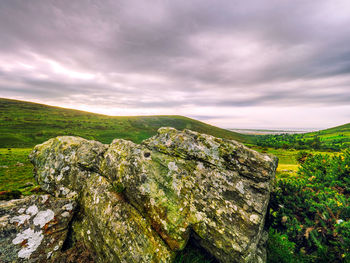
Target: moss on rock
[140,203]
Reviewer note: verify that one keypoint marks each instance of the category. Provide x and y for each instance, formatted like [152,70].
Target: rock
[114,229]
[33,229]
[141,203]
[64,163]
[110,226]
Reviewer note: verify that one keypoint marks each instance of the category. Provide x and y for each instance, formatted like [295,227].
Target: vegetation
[25,124]
[310,212]
[16,173]
[334,139]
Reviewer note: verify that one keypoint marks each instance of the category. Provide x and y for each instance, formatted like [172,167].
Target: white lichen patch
[4,220]
[199,216]
[20,219]
[21,211]
[254,218]
[172,166]
[67,192]
[33,242]
[200,166]
[68,207]
[60,176]
[65,214]
[240,187]
[45,198]
[64,191]
[32,210]
[43,217]
[65,169]
[267,158]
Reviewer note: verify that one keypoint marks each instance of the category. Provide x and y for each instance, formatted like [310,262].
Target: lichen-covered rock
[110,226]
[139,203]
[115,229]
[63,164]
[34,228]
[187,181]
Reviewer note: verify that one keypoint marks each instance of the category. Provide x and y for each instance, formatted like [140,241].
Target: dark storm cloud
[163,54]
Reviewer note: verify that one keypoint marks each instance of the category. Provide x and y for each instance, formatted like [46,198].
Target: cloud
[162,57]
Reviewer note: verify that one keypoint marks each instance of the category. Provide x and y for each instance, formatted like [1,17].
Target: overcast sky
[234,64]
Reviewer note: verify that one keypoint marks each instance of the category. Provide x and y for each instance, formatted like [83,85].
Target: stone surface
[140,203]
[33,229]
[109,226]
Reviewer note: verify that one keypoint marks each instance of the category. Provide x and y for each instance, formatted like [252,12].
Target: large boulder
[33,229]
[141,203]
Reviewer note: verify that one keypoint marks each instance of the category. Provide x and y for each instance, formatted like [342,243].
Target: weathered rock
[172,184]
[110,226]
[64,163]
[34,228]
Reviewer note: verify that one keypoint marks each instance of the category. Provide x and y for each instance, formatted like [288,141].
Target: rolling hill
[336,137]
[25,124]
[334,131]
[331,139]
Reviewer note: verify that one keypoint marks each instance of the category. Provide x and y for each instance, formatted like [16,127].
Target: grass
[25,124]
[16,172]
[287,163]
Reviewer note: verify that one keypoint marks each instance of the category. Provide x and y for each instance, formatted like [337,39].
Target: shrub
[313,209]
[302,156]
[279,248]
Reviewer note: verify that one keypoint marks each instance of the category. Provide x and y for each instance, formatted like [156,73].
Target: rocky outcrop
[33,229]
[141,203]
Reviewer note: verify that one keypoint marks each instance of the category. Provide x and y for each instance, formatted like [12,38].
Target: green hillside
[335,134]
[332,139]
[25,124]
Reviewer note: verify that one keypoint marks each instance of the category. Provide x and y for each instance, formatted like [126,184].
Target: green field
[287,159]
[16,172]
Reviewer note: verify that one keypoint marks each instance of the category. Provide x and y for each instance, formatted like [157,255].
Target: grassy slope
[336,136]
[16,170]
[337,132]
[25,124]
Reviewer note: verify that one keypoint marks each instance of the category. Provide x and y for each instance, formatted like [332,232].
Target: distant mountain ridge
[25,124]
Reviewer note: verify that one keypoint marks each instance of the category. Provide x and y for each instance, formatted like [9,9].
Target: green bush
[302,156]
[313,209]
[279,248]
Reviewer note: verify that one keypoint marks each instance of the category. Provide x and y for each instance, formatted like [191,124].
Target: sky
[235,64]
